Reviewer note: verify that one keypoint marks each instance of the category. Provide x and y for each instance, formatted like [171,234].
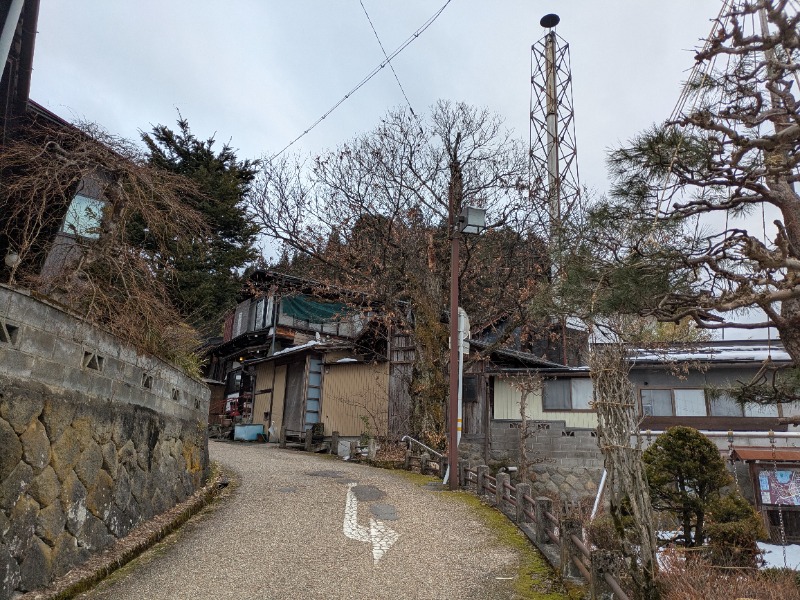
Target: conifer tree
[204,281]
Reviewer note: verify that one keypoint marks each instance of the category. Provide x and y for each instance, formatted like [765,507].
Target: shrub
[685,473]
[697,579]
[733,530]
[602,534]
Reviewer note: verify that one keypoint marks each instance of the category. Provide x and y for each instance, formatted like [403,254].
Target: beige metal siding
[353,391]
[278,391]
[506,406]
[262,400]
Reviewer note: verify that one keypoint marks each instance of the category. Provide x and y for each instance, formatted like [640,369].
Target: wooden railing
[561,540]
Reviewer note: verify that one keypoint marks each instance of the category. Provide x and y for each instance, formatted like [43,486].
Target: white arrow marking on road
[378,533]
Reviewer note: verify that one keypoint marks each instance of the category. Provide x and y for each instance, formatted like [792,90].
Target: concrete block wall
[95,437]
[564,463]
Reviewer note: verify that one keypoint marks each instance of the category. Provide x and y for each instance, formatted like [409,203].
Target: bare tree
[372,216]
[528,385]
[619,440]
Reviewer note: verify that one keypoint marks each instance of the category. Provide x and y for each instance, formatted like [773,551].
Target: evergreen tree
[685,472]
[670,242]
[204,277]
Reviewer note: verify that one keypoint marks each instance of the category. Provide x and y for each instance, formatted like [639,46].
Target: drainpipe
[9,27]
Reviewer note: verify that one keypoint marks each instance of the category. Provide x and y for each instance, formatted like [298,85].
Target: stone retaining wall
[564,463]
[95,438]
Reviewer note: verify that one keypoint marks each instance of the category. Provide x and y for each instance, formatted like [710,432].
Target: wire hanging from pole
[684,96]
[386,56]
[366,78]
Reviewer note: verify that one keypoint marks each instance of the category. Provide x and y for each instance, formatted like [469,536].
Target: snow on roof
[717,353]
[346,360]
[309,344]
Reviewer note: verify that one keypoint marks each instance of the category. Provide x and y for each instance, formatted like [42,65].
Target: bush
[685,473]
[696,579]
[734,529]
[602,534]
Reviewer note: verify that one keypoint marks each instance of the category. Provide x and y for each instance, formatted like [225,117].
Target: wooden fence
[559,539]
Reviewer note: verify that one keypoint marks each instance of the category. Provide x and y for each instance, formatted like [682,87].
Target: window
[582,393]
[690,402]
[84,216]
[657,403]
[722,405]
[679,402]
[758,410]
[567,394]
[556,395]
[469,389]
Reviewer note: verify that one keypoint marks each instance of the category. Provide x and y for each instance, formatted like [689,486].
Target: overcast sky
[258,73]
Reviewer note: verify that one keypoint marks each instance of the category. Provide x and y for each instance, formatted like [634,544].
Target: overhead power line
[369,76]
[386,56]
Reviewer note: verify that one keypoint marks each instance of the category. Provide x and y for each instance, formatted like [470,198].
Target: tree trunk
[789,329]
[617,426]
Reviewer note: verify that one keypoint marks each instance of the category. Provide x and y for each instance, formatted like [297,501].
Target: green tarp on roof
[305,309]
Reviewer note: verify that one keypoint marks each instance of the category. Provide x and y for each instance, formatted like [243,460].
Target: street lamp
[471,221]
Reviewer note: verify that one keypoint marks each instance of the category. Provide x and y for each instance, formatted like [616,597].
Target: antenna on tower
[553,145]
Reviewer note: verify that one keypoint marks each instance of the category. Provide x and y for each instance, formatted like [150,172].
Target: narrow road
[308,526]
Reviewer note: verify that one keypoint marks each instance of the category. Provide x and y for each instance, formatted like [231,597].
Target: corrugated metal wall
[506,406]
[269,377]
[350,391]
[263,398]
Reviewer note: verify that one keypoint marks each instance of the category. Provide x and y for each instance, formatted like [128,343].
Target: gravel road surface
[300,525]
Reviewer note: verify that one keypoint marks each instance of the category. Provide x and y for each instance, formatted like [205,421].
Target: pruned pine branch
[671,242]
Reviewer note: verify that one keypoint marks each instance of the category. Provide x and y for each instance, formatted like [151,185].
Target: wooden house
[302,357]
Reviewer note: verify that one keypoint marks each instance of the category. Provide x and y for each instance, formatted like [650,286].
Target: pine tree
[204,280]
[686,473]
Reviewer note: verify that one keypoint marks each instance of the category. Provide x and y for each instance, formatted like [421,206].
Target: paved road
[307,526]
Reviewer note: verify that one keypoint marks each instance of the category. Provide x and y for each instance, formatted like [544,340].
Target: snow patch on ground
[773,555]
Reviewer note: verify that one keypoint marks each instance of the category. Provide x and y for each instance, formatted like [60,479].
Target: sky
[258,73]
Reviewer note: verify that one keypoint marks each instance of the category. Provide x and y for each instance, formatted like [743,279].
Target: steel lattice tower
[553,146]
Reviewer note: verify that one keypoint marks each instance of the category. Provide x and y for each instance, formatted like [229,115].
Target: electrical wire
[369,76]
[386,56]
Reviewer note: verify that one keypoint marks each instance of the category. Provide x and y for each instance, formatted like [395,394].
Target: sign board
[780,487]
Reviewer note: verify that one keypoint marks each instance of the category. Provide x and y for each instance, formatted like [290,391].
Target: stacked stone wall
[95,438]
[563,463]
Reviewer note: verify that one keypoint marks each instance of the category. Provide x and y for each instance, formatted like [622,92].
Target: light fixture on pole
[471,221]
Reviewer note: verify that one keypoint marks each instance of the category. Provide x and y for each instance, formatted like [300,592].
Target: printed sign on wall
[780,487]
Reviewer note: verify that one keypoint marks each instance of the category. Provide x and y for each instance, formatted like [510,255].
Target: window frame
[671,391]
[77,225]
[570,396]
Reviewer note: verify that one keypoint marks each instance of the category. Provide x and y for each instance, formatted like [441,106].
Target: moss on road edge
[535,578]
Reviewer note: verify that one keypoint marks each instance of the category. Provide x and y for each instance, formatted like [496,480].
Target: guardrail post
[523,489]
[353,450]
[372,448]
[424,459]
[483,471]
[407,463]
[335,443]
[283,437]
[602,562]
[463,465]
[442,462]
[567,527]
[309,440]
[542,506]
[500,492]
